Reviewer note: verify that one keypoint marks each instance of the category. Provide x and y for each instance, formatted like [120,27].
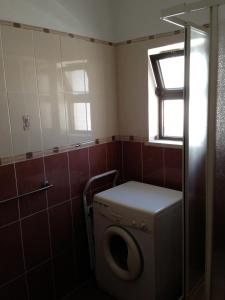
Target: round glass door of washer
[122,253]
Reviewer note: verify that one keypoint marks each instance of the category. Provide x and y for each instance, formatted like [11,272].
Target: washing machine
[138,242]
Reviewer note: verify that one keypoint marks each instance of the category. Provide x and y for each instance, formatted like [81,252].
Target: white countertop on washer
[140,196]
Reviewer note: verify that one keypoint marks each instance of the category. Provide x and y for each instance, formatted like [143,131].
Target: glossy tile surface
[11,256]
[132,161]
[25,137]
[48,62]
[30,176]
[61,228]
[18,50]
[36,239]
[153,165]
[57,173]
[79,170]
[53,120]
[5,134]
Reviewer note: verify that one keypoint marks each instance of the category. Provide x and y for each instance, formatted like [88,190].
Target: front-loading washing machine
[138,242]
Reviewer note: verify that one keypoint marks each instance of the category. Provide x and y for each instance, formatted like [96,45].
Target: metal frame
[213,73]
[171,15]
[88,208]
[161,91]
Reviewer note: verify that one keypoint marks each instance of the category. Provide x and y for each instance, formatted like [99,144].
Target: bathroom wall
[43,76]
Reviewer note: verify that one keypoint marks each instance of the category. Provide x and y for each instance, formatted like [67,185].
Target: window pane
[173,72]
[173,115]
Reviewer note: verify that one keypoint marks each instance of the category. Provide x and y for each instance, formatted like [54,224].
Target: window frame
[162,92]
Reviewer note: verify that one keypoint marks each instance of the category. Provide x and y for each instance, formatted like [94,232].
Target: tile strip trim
[91,39]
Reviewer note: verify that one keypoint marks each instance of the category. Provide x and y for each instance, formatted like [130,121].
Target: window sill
[165,143]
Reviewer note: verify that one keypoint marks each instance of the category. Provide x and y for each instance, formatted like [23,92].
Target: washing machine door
[122,253]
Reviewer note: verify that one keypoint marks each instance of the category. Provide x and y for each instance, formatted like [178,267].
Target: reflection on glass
[173,71]
[78,80]
[82,116]
[173,111]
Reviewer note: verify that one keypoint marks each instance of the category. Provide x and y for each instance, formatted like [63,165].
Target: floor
[89,291]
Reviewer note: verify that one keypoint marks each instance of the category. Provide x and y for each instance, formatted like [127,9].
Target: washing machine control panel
[124,217]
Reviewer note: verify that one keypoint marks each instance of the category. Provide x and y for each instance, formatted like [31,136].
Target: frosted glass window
[173,114]
[172,69]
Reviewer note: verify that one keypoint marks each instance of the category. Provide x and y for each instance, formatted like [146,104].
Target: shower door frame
[171,15]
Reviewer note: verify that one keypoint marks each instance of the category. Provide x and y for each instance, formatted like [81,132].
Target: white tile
[48,62]
[25,105]
[5,134]
[19,59]
[53,120]
[79,118]
[2,75]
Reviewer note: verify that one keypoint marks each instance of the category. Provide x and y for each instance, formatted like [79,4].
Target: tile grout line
[21,237]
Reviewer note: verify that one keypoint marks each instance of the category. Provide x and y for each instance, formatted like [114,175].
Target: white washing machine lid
[140,196]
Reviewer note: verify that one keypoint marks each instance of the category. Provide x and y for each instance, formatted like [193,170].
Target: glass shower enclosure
[204,149]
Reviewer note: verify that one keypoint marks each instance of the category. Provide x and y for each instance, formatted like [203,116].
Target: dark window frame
[161,91]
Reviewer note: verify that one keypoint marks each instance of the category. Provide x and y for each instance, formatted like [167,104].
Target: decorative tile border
[90,39]
[61,33]
[32,155]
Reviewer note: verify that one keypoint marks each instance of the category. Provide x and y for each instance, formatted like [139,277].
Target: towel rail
[46,186]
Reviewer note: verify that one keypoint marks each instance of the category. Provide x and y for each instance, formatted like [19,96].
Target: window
[168,69]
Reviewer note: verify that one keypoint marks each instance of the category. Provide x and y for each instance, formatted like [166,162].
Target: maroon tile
[16,290]
[40,281]
[57,173]
[36,241]
[61,228]
[65,274]
[79,170]
[132,166]
[173,168]
[114,156]
[98,160]
[8,182]
[8,210]
[98,163]
[30,176]
[11,256]
[81,243]
[153,165]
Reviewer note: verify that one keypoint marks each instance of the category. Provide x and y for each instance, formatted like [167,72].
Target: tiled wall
[154,165]
[48,79]
[43,253]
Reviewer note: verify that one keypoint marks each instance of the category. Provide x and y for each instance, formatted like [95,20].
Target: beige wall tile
[5,135]
[19,59]
[2,75]
[25,139]
[53,120]
[48,62]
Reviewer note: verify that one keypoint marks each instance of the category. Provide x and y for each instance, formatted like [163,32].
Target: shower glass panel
[218,247]
[195,147]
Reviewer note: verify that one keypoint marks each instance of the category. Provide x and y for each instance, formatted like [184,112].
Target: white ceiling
[112,20]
